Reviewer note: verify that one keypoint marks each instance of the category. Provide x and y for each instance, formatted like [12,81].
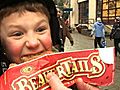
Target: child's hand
[56,84]
[84,86]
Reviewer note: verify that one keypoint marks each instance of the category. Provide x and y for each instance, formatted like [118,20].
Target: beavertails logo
[66,69]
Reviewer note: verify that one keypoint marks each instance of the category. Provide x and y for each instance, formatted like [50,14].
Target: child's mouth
[33,56]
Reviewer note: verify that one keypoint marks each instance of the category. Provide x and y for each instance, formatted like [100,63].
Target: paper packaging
[93,66]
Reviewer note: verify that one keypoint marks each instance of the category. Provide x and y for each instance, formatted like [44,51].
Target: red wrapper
[93,66]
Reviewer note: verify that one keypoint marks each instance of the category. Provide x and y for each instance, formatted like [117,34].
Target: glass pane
[112,12]
[118,12]
[105,20]
[118,4]
[105,0]
[105,13]
[112,18]
[105,6]
[111,5]
[111,0]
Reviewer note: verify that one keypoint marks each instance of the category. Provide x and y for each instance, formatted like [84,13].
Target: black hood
[8,3]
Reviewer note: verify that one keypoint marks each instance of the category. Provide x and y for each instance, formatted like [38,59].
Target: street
[85,42]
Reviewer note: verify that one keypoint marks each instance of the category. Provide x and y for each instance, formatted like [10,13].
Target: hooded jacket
[115,33]
[98,29]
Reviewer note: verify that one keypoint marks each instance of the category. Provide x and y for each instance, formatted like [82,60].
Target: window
[110,10]
[99,8]
[118,12]
[83,12]
[105,0]
[118,4]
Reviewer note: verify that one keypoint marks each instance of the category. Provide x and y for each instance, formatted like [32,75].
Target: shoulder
[95,23]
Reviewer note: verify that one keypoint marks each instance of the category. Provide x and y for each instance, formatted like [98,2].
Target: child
[25,33]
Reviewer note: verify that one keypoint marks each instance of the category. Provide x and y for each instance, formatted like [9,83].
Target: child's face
[25,35]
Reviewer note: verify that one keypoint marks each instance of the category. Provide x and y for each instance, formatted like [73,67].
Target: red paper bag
[93,66]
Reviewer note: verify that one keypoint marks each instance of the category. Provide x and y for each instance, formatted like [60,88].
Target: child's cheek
[47,41]
[14,49]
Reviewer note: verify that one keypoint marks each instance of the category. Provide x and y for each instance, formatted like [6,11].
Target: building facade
[86,11]
[110,10]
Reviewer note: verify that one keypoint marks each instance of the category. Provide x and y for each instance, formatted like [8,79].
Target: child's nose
[32,43]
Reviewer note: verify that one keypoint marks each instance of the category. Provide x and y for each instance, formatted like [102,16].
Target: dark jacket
[64,32]
[115,33]
[54,23]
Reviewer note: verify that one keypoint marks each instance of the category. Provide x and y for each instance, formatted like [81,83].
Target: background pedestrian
[64,29]
[54,25]
[98,32]
[115,34]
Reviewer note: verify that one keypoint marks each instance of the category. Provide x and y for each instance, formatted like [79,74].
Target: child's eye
[17,34]
[40,30]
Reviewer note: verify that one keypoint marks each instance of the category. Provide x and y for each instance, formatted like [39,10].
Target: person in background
[24,33]
[98,32]
[54,25]
[115,34]
[64,29]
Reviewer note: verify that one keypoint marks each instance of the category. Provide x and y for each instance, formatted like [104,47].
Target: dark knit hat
[8,3]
